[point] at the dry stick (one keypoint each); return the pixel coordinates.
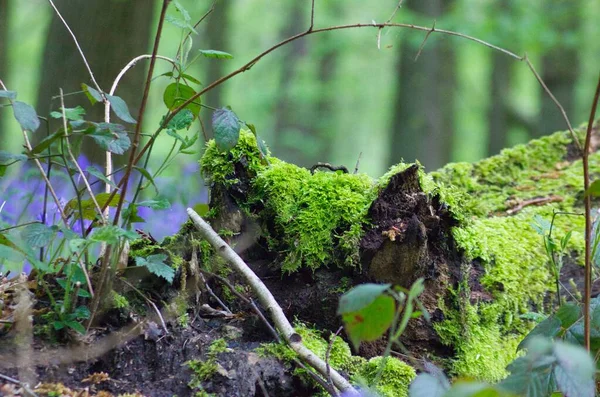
(588, 221)
(268, 302)
(328, 352)
(27, 390)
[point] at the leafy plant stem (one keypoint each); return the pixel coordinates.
(588, 221)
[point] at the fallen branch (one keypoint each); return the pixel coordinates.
(269, 303)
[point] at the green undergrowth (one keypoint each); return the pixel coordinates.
(486, 332)
(395, 378)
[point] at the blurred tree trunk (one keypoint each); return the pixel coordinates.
(3, 61)
(216, 32)
(110, 33)
(559, 65)
(292, 132)
(422, 125)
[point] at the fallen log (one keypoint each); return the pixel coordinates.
(467, 229)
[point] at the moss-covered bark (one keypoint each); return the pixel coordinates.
(465, 228)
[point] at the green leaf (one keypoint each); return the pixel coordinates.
(574, 371)
(360, 297)
(100, 175)
(181, 120)
(47, 141)
(568, 314)
(160, 204)
(548, 328)
(82, 312)
(131, 214)
(89, 208)
(475, 389)
(73, 114)
(146, 175)
(7, 158)
(216, 54)
(75, 326)
(594, 189)
(226, 128)
(92, 94)
(77, 244)
(190, 78)
(155, 265)
(8, 94)
(177, 93)
(120, 108)
(11, 254)
(426, 385)
(109, 234)
(26, 116)
(371, 322)
(111, 137)
(37, 235)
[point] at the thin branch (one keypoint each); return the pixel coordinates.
(21, 384)
(268, 302)
(424, 41)
(87, 65)
(328, 353)
(312, 16)
(74, 159)
(588, 220)
(140, 120)
(556, 102)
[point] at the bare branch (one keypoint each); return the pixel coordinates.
(87, 65)
(268, 302)
(312, 17)
(424, 41)
(556, 102)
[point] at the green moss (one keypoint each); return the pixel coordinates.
(204, 370)
(510, 251)
(315, 213)
(219, 167)
(395, 376)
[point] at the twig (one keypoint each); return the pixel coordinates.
(162, 320)
(140, 119)
(17, 382)
(74, 159)
(87, 65)
(268, 302)
(588, 220)
(328, 353)
(535, 201)
(357, 163)
(312, 16)
(424, 41)
(211, 293)
(329, 167)
(388, 21)
(556, 102)
(131, 64)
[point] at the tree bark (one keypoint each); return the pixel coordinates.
(110, 33)
(422, 125)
